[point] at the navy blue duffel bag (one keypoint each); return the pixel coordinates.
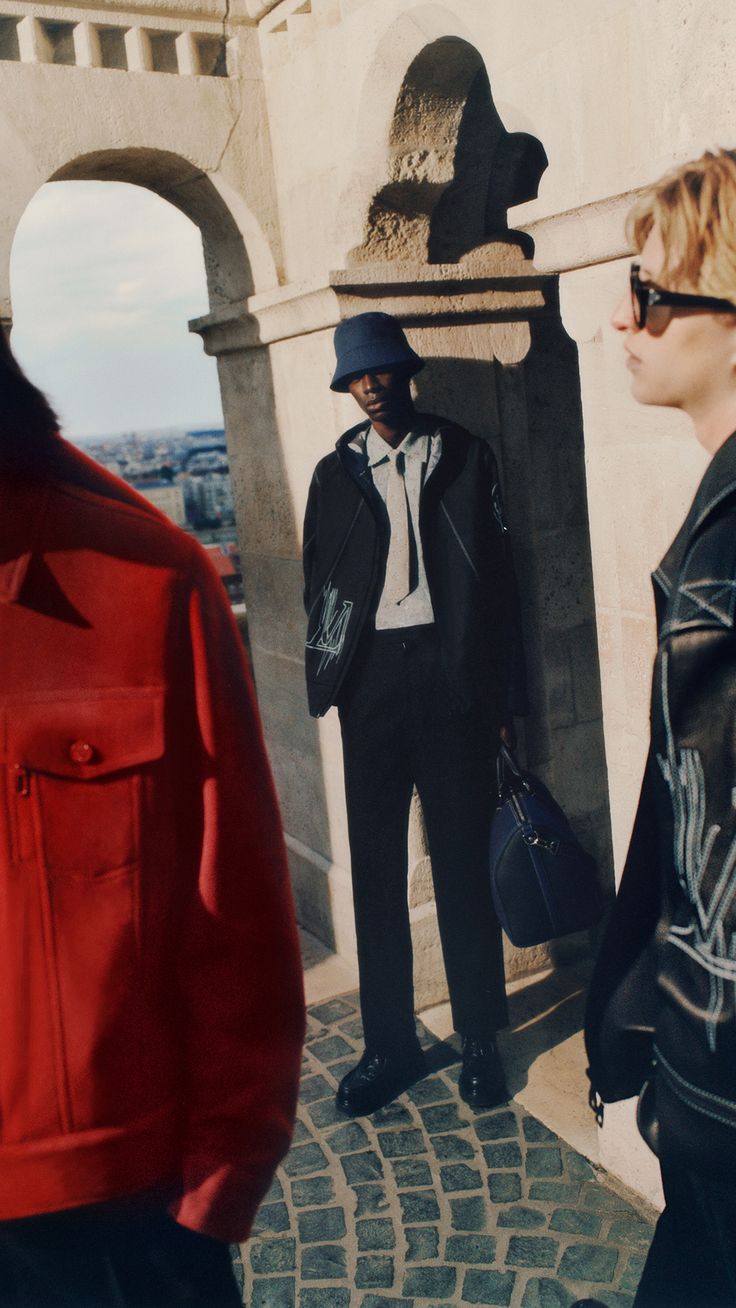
(543, 882)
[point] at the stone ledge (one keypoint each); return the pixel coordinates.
(591, 234)
(418, 294)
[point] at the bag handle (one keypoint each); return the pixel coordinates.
(509, 776)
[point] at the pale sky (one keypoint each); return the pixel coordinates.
(104, 277)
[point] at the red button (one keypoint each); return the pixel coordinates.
(81, 752)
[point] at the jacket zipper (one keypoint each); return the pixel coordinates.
(22, 784)
(459, 540)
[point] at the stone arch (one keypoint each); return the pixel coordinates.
(451, 169)
(237, 258)
(236, 254)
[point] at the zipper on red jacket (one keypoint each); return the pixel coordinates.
(22, 777)
(22, 781)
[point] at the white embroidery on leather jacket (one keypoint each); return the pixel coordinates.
(695, 599)
(329, 638)
(498, 507)
(706, 939)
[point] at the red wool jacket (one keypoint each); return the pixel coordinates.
(151, 1008)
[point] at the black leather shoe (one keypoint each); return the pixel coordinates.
(482, 1082)
(588, 1303)
(376, 1080)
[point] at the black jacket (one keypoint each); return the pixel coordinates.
(467, 561)
(664, 987)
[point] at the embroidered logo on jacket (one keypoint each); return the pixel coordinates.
(329, 638)
(709, 939)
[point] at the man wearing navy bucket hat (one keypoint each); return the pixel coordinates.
(413, 633)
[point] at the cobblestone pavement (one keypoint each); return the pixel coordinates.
(426, 1203)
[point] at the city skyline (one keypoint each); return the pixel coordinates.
(164, 432)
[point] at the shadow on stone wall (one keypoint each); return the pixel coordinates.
(452, 169)
(530, 413)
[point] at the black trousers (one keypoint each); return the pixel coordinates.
(127, 1253)
(692, 1259)
(399, 731)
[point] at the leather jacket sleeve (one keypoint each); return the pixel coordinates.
(309, 536)
(622, 999)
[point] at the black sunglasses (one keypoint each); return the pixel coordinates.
(651, 305)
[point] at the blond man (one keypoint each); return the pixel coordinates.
(662, 1010)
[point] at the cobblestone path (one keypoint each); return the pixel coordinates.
(426, 1203)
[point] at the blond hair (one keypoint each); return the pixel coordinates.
(694, 207)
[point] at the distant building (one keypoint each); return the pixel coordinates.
(167, 496)
(208, 435)
(208, 497)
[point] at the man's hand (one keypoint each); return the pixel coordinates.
(507, 734)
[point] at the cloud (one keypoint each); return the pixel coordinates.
(104, 277)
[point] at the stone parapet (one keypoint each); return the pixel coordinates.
(189, 40)
(215, 11)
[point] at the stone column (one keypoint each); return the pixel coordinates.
(186, 54)
(87, 51)
(32, 42)
(138, 50)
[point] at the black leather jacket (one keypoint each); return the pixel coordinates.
(664, 987)
(466, 556)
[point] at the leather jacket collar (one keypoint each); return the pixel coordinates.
(718, 483)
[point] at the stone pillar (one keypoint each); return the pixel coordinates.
(32, 43)
(87, 51)
(186, 54)
(138, 50)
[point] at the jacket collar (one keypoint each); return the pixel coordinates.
(719, 482)
(351, 446)
(24, 502)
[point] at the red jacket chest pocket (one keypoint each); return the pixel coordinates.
(76, 768)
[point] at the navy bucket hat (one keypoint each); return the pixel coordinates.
(369, 342)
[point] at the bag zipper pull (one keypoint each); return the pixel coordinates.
(22, 781)
(596, 1104)
(533, 838)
